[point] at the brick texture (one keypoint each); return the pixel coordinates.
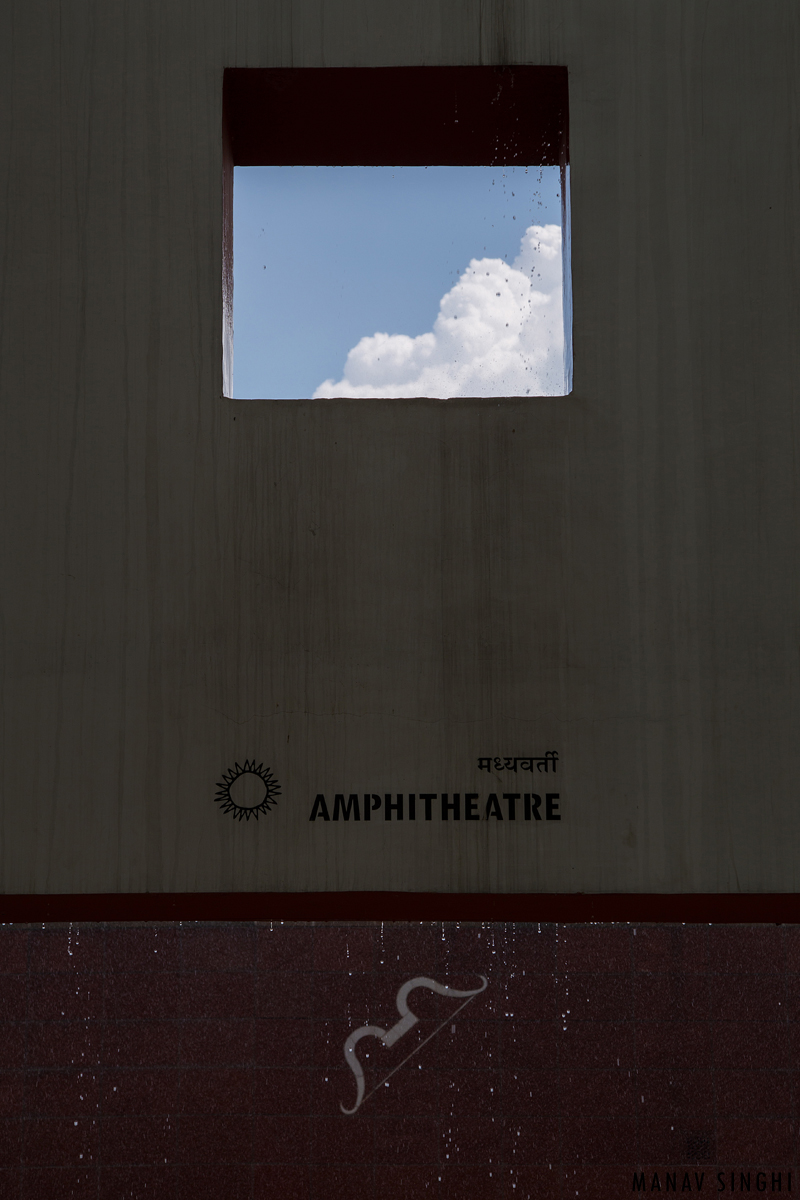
(206, 1060)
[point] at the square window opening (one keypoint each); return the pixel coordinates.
(397, 232)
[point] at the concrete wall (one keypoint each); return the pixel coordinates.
(369, 596)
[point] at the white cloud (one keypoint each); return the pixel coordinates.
(499, 332)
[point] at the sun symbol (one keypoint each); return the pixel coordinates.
(247, 791)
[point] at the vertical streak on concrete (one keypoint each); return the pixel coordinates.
(125, 636)
(156, 165)
(7, 98)
(80, 108)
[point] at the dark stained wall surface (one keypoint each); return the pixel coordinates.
(207, 1062)
(367, 597)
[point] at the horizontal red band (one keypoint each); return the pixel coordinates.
(397, 116)
(770, 908)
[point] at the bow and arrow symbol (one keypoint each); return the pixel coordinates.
(407, 1021)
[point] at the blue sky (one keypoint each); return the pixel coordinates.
(326, 256)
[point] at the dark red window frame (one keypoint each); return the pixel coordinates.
(386, 116)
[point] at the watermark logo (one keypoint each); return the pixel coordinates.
(407, 1021)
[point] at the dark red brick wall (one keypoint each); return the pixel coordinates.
(205, 1061)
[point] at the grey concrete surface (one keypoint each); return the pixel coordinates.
(368, 596)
